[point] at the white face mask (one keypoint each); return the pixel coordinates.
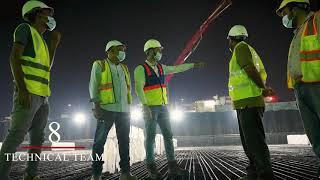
(121, 56)
(51, 23)
(158, 56)
(288, 23)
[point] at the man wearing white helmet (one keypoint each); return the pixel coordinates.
(151, 90)
(247, 79)
(31, 60)
(303, 70)
(110, 92)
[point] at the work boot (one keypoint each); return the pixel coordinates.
(153, 171)
(127, 176)
(95, 177)
(174, 170)
(28, 177)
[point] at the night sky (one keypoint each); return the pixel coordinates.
(87, 26)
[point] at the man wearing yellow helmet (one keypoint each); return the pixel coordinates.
(304, 63)
(31, 60)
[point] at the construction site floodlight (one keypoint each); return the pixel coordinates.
(79, 118)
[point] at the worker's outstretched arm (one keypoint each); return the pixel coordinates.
(244, 59)
(177, 68)
(139, 81)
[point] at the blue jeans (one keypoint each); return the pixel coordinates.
(32, 120)
(308, 98)
(160, 115)
(104, 124)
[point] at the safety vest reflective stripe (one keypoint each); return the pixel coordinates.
(106, 86)
(154, 87)
(311, 27)
(37, 78)
(239, 86)
(160, 68)
(147, 69)
(107, 95)
(34, 65)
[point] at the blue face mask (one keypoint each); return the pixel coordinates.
(121, 56)
(158, 56)
(288, 23)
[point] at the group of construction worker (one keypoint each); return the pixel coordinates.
(110, 91)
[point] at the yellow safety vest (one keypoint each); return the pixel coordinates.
(155, 88)
(240, 85)
(309, 53)
(37, 69)
(106, 88)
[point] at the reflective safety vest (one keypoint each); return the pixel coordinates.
(106, 88)
(155, 89)
(309, 53)
(37, 69)
(240, 85)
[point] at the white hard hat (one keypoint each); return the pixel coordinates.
(286, 2)
(151, 43)
(113, 43)
(238, 30)
(30, 6)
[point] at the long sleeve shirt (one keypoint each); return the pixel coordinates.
(140, 79)
(294, 64)
(119, 87)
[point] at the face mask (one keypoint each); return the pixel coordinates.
(51, 23)
(158, 56)
(121, 56)
(288, 23)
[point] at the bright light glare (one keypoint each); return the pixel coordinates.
(177, 115)
(136, 114)
(79, 118)
(209, 103)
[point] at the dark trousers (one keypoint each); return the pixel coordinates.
(104, 124)
(253, 141)
(308, 98)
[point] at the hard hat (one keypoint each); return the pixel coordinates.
(151, 43)
(286, 2)
(113, 43)
(238, 30)
(30, 6)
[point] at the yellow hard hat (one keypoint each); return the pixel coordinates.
(286, 2)
(30, 6)
(151, 43)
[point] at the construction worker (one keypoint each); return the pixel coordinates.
(304, 64)
(247, 89)
(152, 92)
(110, 91)
(31, 60)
